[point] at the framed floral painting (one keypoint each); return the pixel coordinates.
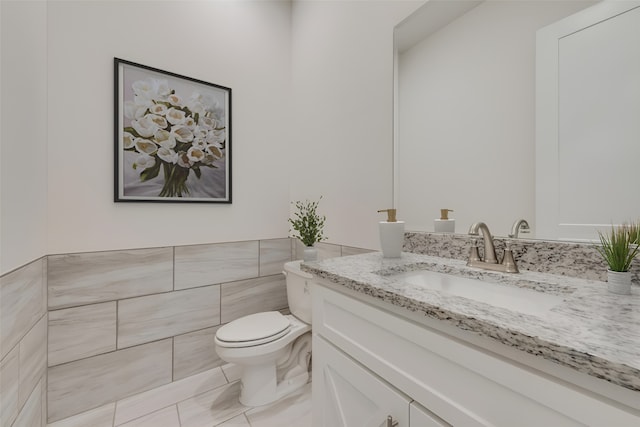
(172, 137)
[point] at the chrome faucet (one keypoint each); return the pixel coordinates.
(519, 225)
(490, 262)
(489, 249)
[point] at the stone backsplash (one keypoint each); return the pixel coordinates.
(573, 259)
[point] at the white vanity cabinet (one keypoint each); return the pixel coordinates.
(354, 396)
(370, 363)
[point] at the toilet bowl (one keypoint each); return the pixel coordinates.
(272, 349)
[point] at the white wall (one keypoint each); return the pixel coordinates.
(244, 45)
(335, 141)
(467, 116)
(343, 115)
(23, 141)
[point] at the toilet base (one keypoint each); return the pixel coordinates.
(274, 369)
(258, 388)
(264, 383)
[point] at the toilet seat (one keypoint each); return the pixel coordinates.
(254, 329)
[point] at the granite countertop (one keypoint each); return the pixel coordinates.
(591, 330)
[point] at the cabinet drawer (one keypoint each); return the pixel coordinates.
(461, 384)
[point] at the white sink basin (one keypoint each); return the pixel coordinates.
(509, 297)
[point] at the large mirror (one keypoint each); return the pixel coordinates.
(465, 117)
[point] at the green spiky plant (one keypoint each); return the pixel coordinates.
(308, 223)
(634, 232)
(619, 247)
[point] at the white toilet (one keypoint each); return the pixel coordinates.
(273, 350)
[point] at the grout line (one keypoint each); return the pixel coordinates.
(224, 374)
(178, 412)
(45, 403)
(173, 270)
(117, 323)
(259, 253)
(19, 409)
(176, 403)
(45, 316)
(112, 351)
(7, 273)
(143, 415)
(219, 305)
(169, 385)
(173, 358)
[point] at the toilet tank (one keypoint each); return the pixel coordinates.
(298, 291)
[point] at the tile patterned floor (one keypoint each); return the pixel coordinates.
(209, 399)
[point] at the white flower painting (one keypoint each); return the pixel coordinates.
(172, 137)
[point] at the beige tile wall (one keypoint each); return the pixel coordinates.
(9, 386)
(33, 359)
(22, 303)
(202, 265)
(88, 383)
(272, 252)
(111, 324)
(88, 278)
(239, 298)
(122, 322)
(326, 250)
(194, 352)
(23, 345)
(31, 413)
(79, 332)
(153, 317)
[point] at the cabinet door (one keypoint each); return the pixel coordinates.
(420, 417)
(346, 394)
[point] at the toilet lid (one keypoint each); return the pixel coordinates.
(255, 328)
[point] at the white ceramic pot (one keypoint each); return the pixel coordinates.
(619, 282)
(310, 254)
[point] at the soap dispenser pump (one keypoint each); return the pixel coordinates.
(444, 224)
(391, 235)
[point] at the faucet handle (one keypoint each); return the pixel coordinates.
(474, 255)
(508, 261)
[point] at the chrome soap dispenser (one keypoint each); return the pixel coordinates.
(391, 235)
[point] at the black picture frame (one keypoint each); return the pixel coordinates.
(172, 137)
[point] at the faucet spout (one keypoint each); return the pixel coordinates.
(489, 248)
(519, 225)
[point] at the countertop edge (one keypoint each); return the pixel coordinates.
(598, 367)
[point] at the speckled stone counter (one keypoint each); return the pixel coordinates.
(591, 330)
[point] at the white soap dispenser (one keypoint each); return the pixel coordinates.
(444, 224)
(391, 235)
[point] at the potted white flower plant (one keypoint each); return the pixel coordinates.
(618, 249)
(309, 226)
